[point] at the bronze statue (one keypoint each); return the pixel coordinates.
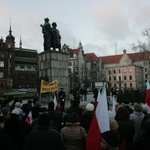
(47, 34)
(51, 36)
(56, 37)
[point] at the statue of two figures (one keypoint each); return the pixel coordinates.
(51, 36)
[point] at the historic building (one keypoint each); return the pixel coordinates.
(7, 63)
(127, 70)
(76, 66)
(18, 66)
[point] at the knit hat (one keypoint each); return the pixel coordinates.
(2, 119)
(111, 138)
(44, 119)
(15, 111)
(89, 107)
(18, 104)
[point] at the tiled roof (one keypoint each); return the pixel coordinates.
(140, 56)
(111, 59)
(74, 51)
(91, 57)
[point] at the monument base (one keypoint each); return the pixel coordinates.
(53, 65)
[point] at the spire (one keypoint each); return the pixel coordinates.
(10, 36)
(80, 45)
(20, 44)
(10, 30)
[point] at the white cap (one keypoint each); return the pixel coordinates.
(89, 107)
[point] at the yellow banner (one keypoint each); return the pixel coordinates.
(49, 87)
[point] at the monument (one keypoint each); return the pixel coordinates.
(53, 64)
(51, 36)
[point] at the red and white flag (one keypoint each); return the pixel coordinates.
(56, 105)
(99, 124)
(55, 102)
(114, 105)
(147, 98)
(29, 119)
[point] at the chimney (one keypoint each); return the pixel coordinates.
(124, 51)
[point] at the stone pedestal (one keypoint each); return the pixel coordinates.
(53, 65)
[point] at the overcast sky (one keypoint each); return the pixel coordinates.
(104, 27)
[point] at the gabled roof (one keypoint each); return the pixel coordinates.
(111, 59)
(140, 56)
(73, 51)
(91, 57)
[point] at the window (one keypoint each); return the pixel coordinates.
(1, 63)
(1, 55)
(119, 71)
(109, 72)
(1, 74)
(145, 69)
(109, 78)
(119, 78)
(125, 78)
(130, 77)
(114, 71)
(130, 84)
(114, 78)
(146, 76)
(125, 85)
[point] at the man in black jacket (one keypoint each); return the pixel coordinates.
(62, 97)
(44, 137)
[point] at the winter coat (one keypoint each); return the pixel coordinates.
(86, 119)
(5, 141)
(137, 117)
(73, 135)
(44, 138)
(126, 128)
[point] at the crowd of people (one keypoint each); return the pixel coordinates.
(30, 126)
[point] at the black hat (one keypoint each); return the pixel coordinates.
(111, 138)
(44, 119)
(2, 119)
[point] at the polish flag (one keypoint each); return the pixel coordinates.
(114, 105)
(99, 124)
(56, 105)
(55, 102)
(147, 98)
(29, 119)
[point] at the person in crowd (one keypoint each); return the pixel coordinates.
(110, 141)
(5, 140)
(144, 141)
(127, 105)
(55, 116)
(73, 134)
(13, 127)
(87, 116)
(44, 137)
(6, 111)
(18, 106)
(137, 116)
(27, 107)
(126, 128)
(35, 99)
(62, 98)
(95, 94)
(75, 108)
